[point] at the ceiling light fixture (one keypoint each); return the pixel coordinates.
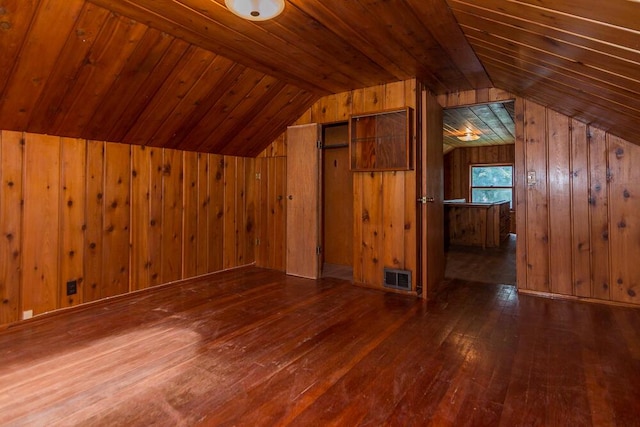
(255, 10)
(468, 136)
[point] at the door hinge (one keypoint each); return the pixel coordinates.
(318, 250)
(258, 175)
(319, 144)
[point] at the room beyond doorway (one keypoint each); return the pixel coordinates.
(479, 172)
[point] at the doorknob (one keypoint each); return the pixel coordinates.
(290, 197)
(425, 199)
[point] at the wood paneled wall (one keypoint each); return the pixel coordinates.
(384, 202)
(271, 170)
(578, 227)
(271, 217)
(579, 231)
(114, 217)
(457, 162)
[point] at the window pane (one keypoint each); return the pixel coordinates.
(491, 176)
(491, 195)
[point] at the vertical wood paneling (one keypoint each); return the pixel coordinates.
(249, 212)
(72, 220)
(229, 225)
(469, 97)
(325, 110)
(262, 198)
(140, 217)
(278, 248)
(110, 216)
(156, 219)
(598, 208)
(240, 226)
(372, 228)
(358, 218)
(580, 238)
(373, 98)
(537, 210)
(93, 261)
(305, 118)
(11, 161)
(279, 146)
(172, 191)
(394, 95)
(357, 102)
(625, 221)
(345, 106)
(559, 204)
(190, 214)
(216, 211)
(40, 261)
(115, 252)
(202, 233)
(599, 213)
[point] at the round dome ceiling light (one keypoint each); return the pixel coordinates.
(256, 10)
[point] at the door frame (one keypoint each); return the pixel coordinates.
(429, 191)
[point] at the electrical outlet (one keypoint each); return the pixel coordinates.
(72, 287)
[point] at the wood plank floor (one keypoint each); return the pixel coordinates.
(253, 347)
(489, 265)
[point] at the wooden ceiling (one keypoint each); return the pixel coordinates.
(189, 74)
(494, 124)
(579, 57)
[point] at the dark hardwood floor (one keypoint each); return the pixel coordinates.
(489, 265)
(254, 347)
(338, 271)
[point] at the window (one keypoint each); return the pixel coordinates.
(492, 183)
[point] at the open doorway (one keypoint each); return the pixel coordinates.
(337, 202)
(480, 216)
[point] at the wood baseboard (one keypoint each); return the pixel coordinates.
(91, 305)
(575, 298)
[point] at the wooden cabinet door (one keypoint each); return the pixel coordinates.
(430, 176)
(303, 201)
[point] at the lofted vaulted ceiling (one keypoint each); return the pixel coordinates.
(189, 74)
(579, 57)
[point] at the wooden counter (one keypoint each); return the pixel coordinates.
(476, 224)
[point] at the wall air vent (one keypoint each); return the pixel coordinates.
(397, 279)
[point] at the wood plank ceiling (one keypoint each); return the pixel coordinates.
(493, 123)
(579, 57)
(189, 74)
